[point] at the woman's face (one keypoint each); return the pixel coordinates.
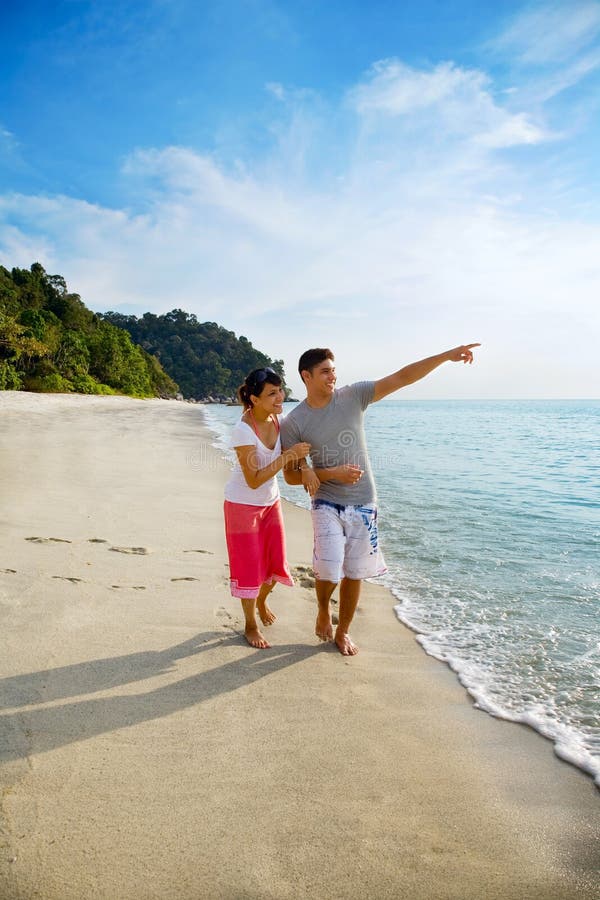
(270, 399)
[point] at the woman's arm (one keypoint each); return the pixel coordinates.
(255, 477)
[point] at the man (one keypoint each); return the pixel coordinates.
(344, 507)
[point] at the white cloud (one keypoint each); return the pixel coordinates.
(398, 89)
(425, 237)
(8, 142)
(560, 79)
(551, 33)
(276, 89)
(18, 248)
(458, 101)
(550, 49)
(510, 131)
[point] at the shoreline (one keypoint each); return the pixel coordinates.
(564, 743)
(482, 704)
(188, 765)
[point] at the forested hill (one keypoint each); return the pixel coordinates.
(50, 341)
(203, 358)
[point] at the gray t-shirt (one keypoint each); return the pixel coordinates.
(336, 435)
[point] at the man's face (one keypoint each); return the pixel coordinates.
(322, 378)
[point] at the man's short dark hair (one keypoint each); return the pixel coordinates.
(312, 358)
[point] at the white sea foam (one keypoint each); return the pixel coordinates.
(220, 423)
(569, 744)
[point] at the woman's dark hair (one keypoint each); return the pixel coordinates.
(254, 384)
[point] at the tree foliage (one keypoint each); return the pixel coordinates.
(204, 358)
(50, 341)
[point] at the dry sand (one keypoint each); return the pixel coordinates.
(147, 752)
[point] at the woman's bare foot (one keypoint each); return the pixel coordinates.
(267, 616)
(323, 627)
(256, 639)
(345, 644)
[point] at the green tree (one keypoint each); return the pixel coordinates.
(34, 323)
(16, 346)
(49, 341)
(117, 362)
(202, 357)
(73, 355)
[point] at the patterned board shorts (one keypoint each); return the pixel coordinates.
(346, 542)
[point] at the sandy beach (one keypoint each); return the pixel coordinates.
(146, 752)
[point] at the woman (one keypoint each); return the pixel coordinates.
(253, 520)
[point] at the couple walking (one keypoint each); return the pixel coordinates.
(328, 428)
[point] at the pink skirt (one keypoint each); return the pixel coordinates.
(256, 547)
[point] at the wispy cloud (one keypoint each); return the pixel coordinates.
(459, 102)
(8, 141)
(551, 48)
(423, 232)
(561, 79)
(397, 89)
(549, 54)
(550, 33)
(276, 89)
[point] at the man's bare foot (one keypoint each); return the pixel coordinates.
(323, 628)
(345, 644)
(256, 639)
(267, 616)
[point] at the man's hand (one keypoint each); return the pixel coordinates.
(346, 473)
(463, 353)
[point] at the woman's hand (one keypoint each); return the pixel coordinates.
(310, 481)
(296, 452)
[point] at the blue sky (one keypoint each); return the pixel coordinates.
(388, 179)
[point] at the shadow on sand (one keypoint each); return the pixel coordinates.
(39, 730)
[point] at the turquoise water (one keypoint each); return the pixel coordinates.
(490, 525)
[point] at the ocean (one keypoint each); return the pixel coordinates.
(490, 526)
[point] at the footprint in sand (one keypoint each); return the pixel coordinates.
(8, 571)
(97, 541)
(185, 578)
(304, 576)
(131, 587)
(306, 582)
(209, 552)
(42, 540)
(68, 578)
(222, 613)
(137, 551)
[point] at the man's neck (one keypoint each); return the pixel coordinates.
(318, 401)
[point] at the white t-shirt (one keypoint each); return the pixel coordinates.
(236, 489)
